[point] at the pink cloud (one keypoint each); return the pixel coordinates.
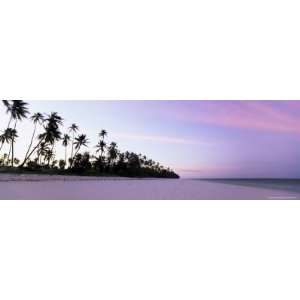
(246, 114)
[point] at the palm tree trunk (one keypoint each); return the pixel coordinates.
(12, 153)
(75, 156)
(66, 155)
(9, 154)
(102, 164)
(12, 147)
(72, 145)
(76, 151)
(25, 160)
(9, 122)
(31, 141)
(52, 158)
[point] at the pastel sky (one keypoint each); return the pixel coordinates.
(195, 138)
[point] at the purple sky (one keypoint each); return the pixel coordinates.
(196, 138)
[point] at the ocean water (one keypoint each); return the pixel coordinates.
(290, 185)
(56, 187)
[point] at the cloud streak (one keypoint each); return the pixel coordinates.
(206, 171)
(161, 139)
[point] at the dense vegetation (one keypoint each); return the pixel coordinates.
(40, 156)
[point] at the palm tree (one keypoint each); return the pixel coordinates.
(112, 152)
(54, 120)
(65, 143)
(80, 141)
(100, 147)
(73, 128)
(52, 132)
(7, 105)
(6, 137)
(48, 156)
(18, 111)
(36, 118)
(2, 141)
(42, 151)
(9, 137)
(103, 134)
(13, 137)
(51, 135)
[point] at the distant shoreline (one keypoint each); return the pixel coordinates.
(50, 174)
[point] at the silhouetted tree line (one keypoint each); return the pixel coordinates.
(40, 154)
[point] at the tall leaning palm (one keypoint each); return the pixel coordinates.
(52, 132)
(37, 119)
(65, 143)
(50, 135)
(73, 129)
(80, 141)
(18, 110)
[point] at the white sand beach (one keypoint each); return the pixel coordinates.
(114, 188)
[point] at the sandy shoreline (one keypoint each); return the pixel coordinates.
(46, 177)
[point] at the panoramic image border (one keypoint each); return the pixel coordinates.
(202, 150)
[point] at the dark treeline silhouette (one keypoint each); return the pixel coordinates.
(40, 154)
